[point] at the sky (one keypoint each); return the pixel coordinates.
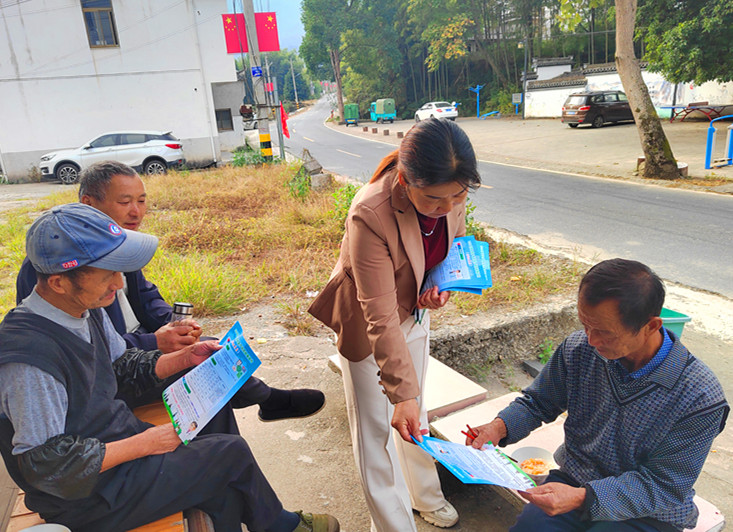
(290, 28)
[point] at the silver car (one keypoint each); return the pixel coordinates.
(151, 152)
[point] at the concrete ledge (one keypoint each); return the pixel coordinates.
(446, 390)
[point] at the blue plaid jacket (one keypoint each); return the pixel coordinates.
(637, 445)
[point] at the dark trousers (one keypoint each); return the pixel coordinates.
(252, 392)
(215, 473)
(533, 519)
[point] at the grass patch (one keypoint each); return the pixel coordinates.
(235, 236)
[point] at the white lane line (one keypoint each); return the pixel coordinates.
(348, 153)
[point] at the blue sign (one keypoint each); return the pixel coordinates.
(256, 72)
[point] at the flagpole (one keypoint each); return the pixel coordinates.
(258, 82)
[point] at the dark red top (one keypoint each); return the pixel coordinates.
(435, 243)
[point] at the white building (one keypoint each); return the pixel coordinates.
(72, 69)
(545, 97)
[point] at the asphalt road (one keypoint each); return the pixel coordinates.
(686, 236)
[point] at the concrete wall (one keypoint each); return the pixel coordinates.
(549, 72)
(58, 92)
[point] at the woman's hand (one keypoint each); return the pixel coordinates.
(406, 419)
(432, 299)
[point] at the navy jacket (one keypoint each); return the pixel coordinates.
(149, 307)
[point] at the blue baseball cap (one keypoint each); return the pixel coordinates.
(74, 235)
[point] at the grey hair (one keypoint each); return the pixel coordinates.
(95, 180)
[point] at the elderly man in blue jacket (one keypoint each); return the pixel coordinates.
(141, 315)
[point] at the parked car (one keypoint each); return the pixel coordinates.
(437, 110)
(152, 152)
(596, 108)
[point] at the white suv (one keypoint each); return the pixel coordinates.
(153, 152)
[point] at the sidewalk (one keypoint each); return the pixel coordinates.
(548, 144)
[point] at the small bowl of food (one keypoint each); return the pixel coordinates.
(535, 461)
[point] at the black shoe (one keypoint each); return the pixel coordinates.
(300, 403)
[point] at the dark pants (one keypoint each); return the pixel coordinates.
(252, 392)
(215, 473)
(533, 519)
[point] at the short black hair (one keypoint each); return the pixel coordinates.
(94, 181)
(638, 291)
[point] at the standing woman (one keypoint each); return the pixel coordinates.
(399, 226)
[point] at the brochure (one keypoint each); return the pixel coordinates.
(196, 397)
(466, 268)
(477, 466)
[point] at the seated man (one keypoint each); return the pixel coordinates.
(642, 413)
(82, 457)
(140, 314)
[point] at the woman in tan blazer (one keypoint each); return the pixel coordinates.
(399, 226)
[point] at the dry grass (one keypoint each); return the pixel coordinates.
(231, 237)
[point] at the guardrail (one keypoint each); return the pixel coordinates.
(710, 146)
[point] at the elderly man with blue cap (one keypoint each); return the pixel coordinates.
(82, 457)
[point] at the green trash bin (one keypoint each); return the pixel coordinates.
(674, 321)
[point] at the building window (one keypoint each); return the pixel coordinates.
(224, 120)
(100, 22)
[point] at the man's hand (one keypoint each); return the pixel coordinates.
(406, 419)
(200, 351)
(192, 355)
(177, 335)
(432, 299)
(492, 432)
(155, 440)
(555, 498)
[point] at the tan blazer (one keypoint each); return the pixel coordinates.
(375, 284)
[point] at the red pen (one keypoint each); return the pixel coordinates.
(472, 433)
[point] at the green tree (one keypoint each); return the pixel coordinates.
(324, 21)
(659, 159)
(688, 40)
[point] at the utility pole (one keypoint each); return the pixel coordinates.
(295, 89)
(279, 115)
(258, 82)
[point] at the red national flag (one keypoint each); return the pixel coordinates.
(235, 32)
(284, 120)
(266, 24)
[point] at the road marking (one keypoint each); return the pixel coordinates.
(348, 153)
(486, 186)
(306, 138)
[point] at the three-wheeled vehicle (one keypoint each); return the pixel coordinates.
(351, 114)
(383, 109)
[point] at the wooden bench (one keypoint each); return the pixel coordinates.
(194, 521)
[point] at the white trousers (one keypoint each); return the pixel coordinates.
(396, 476)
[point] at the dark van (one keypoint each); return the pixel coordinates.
(596, 108)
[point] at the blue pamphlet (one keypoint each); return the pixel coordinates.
(466, 268)
(476, 466)
(196, 397)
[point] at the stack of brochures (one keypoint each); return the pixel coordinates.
(194, 399)
(465, 269)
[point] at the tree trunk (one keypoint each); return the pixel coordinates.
(336, 65)
(660, 162)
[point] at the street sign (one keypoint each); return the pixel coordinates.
(256, 72)
(517, 97)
